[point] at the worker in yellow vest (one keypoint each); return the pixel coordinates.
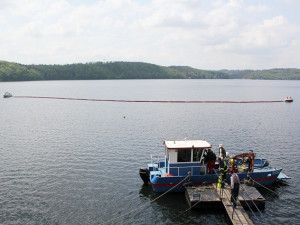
(223, 170)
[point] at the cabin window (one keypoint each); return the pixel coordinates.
(197, 154)
(184, 155)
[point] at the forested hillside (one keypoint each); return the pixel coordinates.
(17, 72)
(272, 74)
(131, 70)
(99, 70)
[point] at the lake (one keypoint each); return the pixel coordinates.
(77, 162)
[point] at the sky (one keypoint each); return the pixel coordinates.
(204, 34)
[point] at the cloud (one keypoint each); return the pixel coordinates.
(169, 32)
(291, 1)
(272, 34)
(183, 14)
(4, 4)
(258, 8)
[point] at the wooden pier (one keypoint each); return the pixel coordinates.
(208, 197)
(237, 215)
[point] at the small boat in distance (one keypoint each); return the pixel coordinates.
(184, 158)
(288, 99)
(7, 95)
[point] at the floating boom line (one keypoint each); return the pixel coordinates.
(143, 101)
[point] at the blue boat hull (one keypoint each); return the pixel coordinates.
(264, 177)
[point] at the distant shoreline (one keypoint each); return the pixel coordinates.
(132, 70)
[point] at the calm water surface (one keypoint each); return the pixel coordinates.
(76, 162)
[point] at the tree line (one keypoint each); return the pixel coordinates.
(130, 70)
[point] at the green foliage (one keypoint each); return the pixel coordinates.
(130, 70)
(201, 74)
(99, 70)
(272, 74)
(17, 72)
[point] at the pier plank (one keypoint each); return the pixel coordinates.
(239, 215)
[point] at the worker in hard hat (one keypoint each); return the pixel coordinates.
(222, 152)
(223, 170)
(233, 165)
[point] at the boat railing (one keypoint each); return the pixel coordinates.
(157, 158)
(183, 170)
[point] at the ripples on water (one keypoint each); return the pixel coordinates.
(76, 162)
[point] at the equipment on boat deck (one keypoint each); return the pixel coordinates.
(247, 158)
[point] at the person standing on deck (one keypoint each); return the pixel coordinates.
(210, 160)
(234, 187)
(222, 152)
(223, 170)
(251, 161)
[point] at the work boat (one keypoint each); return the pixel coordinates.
(288, 99)
(7, 95)
(184, 163)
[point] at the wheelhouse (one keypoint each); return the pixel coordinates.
(185, 156)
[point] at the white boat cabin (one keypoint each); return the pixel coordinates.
(182, 156)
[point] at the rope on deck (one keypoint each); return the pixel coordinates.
(143, 101)
(266, 187)
(276, 194)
